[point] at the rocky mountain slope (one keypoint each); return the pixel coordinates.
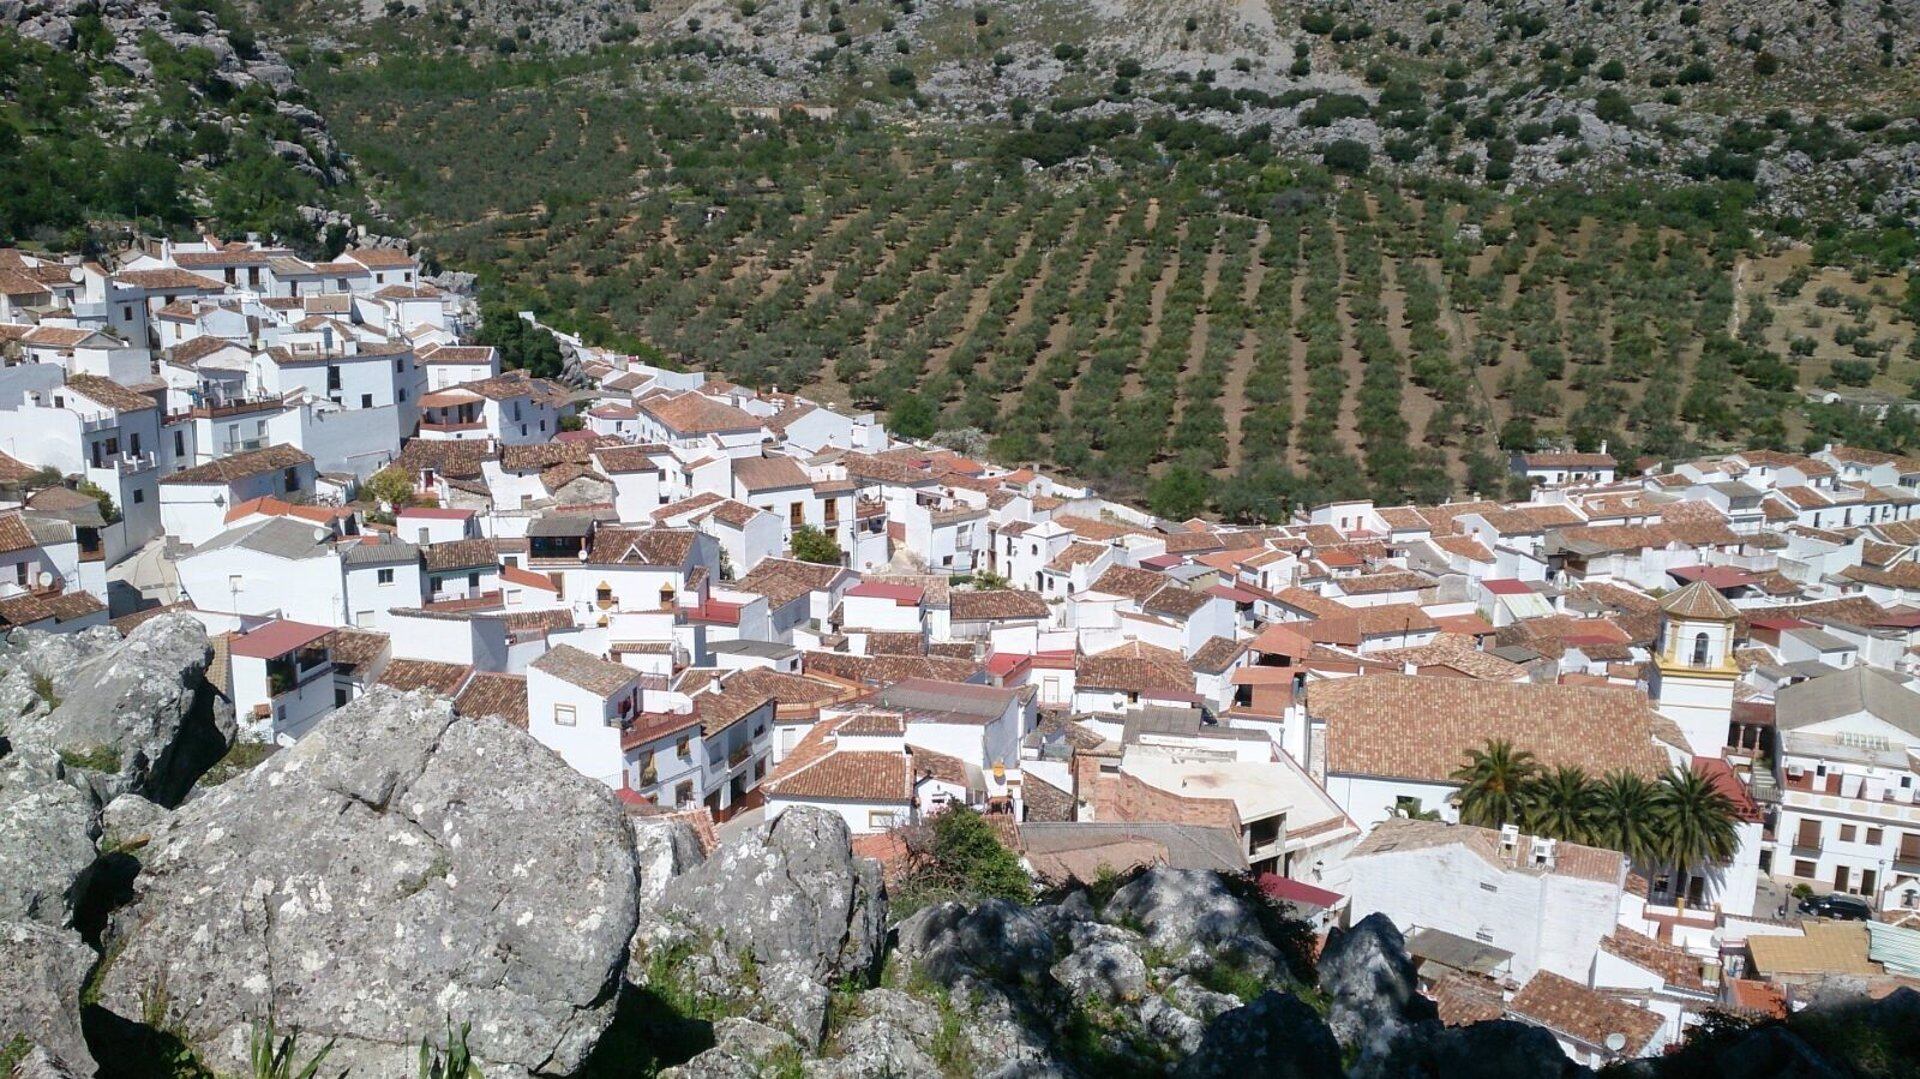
(159, 114)
(401, 868)
(1520, 92)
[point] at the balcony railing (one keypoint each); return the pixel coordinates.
(241, 445)
(739, 756)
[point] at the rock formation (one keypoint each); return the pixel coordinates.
(137, 715)
(396, 868)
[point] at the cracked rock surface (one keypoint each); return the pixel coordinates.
(398, 867)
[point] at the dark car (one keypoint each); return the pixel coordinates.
(1846, 908)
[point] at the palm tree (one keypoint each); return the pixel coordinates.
(1560, 804)
(1493, 783)
(1626, 817)
(1696, 821)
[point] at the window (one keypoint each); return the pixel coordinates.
(1876, 836)
(179, 443)
(291, 477)
(139, 496)
(473, 579)
(683, 793)
(563, 715)
(880, 820)
(684, 748)
(384, 576)
(1846, 833)
(1700, 649)
(366, 400)
(1804, 869)
(20, 573)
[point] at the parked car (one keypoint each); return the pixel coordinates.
(1846, 908)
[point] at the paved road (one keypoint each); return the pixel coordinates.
(149, 572)
(746, 821)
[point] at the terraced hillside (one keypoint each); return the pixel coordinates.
(1191, 311)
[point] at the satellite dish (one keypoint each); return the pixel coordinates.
(1616, 1042)
(46, 579)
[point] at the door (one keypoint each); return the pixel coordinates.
(1840, 878)
(1868, 880)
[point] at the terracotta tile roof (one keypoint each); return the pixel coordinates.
(1639, 537)
(1567, 1007)
(1312, 603)
(242, 465)
(687, 509)
(1135, 584)
(1464, 547)
(459, 554)
(1410, 727)
(896, 644)
(14, 533)
(1376, 583)
(641, 546)
(1702, 600)
(769, 473)
(380, 258)
(1097, 530)
(626, 459)
(578, 667)
(1217, 654)
(1136, 667)
(353, 649)
(409, 674)
(454, 459)
(854, 776)
(495, 693)
(1568, 460)
(885, 670)
(1671, 963)
(1464, 999)
(783, 580)
(1458, 652)
(168, 278)
(537, 456)
(110, 393)
(1074, 554)
(998, 603)
(695, 413)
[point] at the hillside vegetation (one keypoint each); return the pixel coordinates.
(1190, 305)
(152, 117)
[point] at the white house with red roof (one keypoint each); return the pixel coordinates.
(451, 365)
(282, 678)
(435, 524)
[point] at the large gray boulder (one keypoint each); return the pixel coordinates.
(37, 669)
(1500, 1049)
(396, 868)
(740, 1047)
(770, 923)
(663, 848)
(1191, 915)
(139, 715)
(1276, 1036)
(995, 941)
(46, 840)
(40, 979)
(1370, 984)
(790, 892)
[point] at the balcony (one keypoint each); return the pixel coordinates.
(1803, 851)
(242, 445)
(739, 755)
